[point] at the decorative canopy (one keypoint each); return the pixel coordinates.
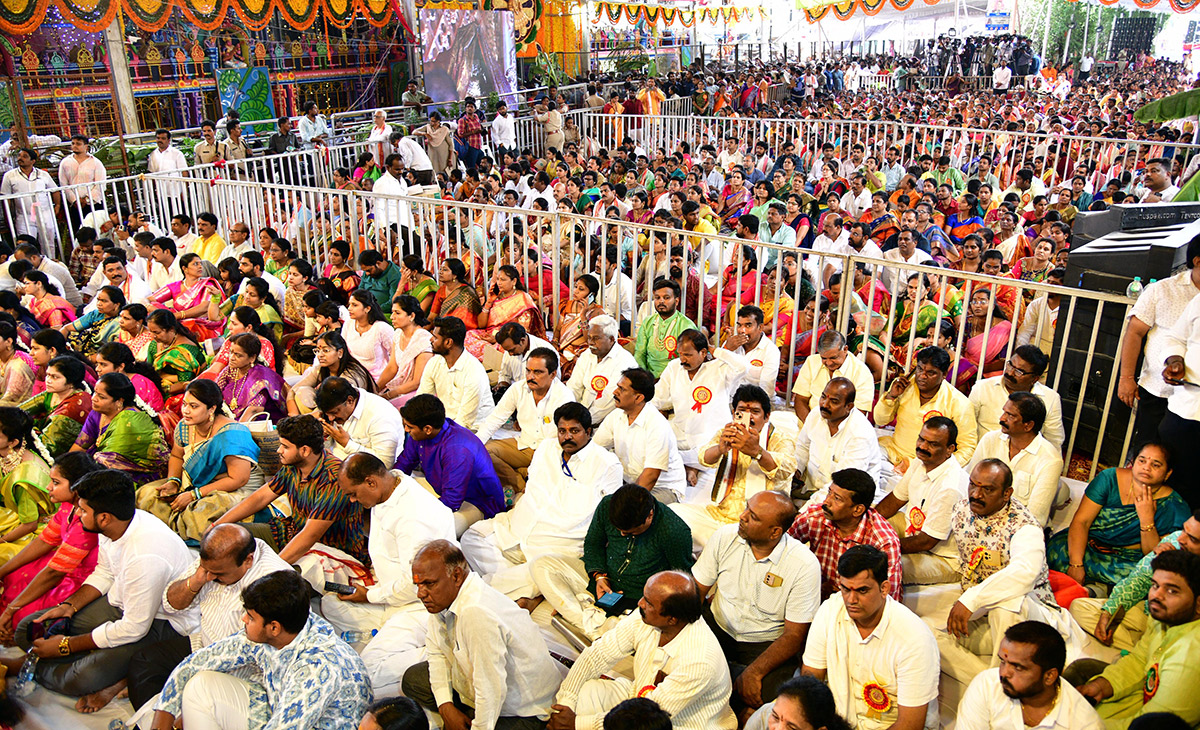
(652, 14)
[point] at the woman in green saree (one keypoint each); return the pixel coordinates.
(174, 353)
(1123, 515)
(256, 294)
(98, 326)
(24, 482)
(119, 434)
(59, 411)
(918, 305)
(213, 466)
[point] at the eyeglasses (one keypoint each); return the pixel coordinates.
(1009, 366)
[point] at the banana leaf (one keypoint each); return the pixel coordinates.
(1176, 106)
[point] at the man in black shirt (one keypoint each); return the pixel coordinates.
(284, 141)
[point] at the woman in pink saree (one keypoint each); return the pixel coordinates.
(412, 348)
(507, 302)
(748, 278)
(990, 343)
(55, 563)
(194, 300)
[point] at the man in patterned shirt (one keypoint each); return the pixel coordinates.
(324, 524)
(843, 520)
(309, 677)
(470, 135)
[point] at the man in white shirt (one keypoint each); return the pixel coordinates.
(252, 264)
(837, 436)
(1027, 689)
(1156, 186)
(164, 269)
(643, 439)
(616, 292)
(749, 342)
(677, 663)
(230, 559)
(533, 401)
(921, 504)
(1180, 427)
(181, 233)
(766, 588)
(487, 659)
(458, 380)
(857, 200)
(56, 271)
(568, 475)
(36, 200)
(518, 344)
(1022, 374)
(833, 240)
(1035, 463)
(878, 658)
(1154, 313)
(390, 212)
(414, 159)
(831, 360)
(504, 132)
(404, 518)
(819, 162)
(1004, 577)
(906, 252)
(1001, 78)
(81, 168)
(169, 161)
(599, 367)
(112, 272)
(356, 421)
(118, 609)
(730, 156)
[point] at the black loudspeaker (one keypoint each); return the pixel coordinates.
(1095, 383)
(1136, 35)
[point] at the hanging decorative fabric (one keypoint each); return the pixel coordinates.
(634, 13)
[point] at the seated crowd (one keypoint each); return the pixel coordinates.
(467, 471)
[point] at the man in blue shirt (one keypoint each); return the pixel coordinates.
(453, 460)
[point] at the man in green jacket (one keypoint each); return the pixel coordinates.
(657, 337)
(380, 277)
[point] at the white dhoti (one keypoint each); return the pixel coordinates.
(701, 521)
(399, 645)
(598, 696)
(216, 701)
(1129, 632)
(563, 581)
(503, 567)
(358, 617)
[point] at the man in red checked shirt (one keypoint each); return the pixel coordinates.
(470, 135)
(844, 520)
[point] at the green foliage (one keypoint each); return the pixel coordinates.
(493, 102)
(1097, 19)
(547, 71)
(629, 57)
(1176, 106)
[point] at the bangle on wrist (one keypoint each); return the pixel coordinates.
(64, 646)
(196, 492)
(1148, 528)
(1074, 565)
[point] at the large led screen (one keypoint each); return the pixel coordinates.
(468, 53)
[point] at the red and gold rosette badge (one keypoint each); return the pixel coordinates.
(670, 344)
(599, 383)
(930, 415)
(646, 690)
(1150, 687)
(757, 363)
(701, 397)
(916, 520)
(877, 700)
(975, 559)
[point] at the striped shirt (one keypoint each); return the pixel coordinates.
(319, 498)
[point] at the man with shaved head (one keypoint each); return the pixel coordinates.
(692, 684)
(230, 559)
(766, 586)
(488, 664)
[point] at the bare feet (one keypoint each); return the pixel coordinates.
(529, 604)
(693, 475)
(97, 700)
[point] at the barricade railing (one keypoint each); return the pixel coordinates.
(1061, 155)
(553, 249)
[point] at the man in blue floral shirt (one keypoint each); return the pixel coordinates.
(306, 676)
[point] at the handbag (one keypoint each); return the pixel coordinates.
(267, 438)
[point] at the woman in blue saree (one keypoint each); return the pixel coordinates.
(1122, 517)
(213, 466)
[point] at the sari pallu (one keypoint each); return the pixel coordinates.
(204, 463)
(736, 203)
(221, 360)
(959, 229)
(25, 497)
(517, 307)
(75, 558)
(968, 365)
(882, 227)
(406, 358)
(571, 338)
(16, 379)
(93, 330)
(337, 286)
(462, 302)
(52, 311)
(926, 315)
(260, 386)
(178, 299)
(132, 442)
(178, 363)
(58, 425)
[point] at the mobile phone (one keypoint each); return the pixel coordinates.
(610, 599)
(742, 417)
(339, 588)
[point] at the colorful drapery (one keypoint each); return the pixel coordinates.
(20, 17)
(613, 12)
(816, 10)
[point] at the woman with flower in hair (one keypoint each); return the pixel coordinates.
(117, 357)
(213, 464)
(59, 411)
(120, 434)
(248, 386)
(99, 325)
(24, 482)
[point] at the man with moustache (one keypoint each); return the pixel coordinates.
(568, 476)
(599, 368)
(1159, 675)
(698, 300)
(1034, 461)
(1022, 373)
(1003, 574)
(1026, 689)
(658, 337)
(836, 436)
